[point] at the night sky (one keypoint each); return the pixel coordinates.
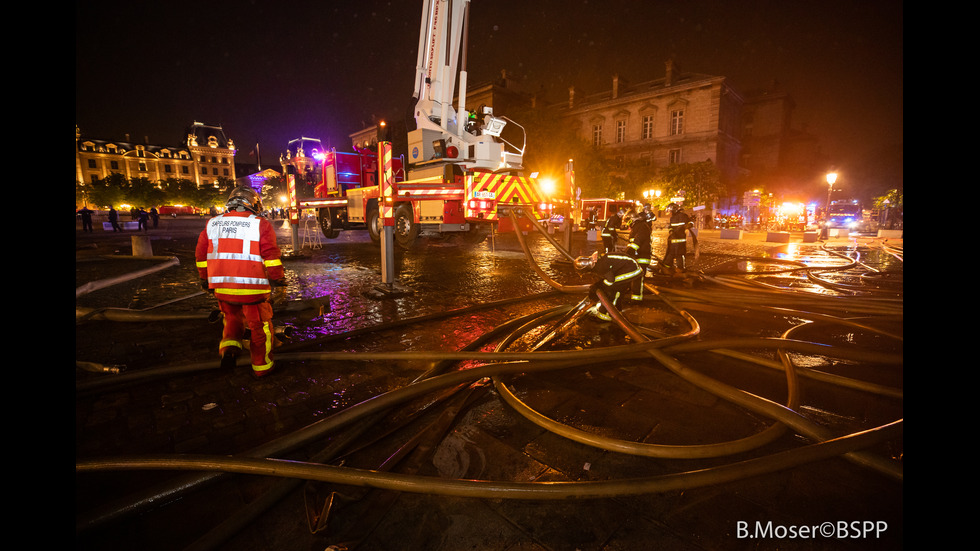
(269, 72)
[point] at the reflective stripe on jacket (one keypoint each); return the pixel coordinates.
(679, 223)
(617, 268)
(238, 255)
(611, 226)
(639, 246)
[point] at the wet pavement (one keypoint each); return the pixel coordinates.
(544, 487)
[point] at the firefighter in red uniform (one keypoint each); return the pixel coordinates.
(239, 261)
(618, 273)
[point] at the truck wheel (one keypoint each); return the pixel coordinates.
(406, 229)
(327, 224)
(374, 225)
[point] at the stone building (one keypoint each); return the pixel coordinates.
(692, 117)
(681, 118)
(774, 153)
(205, 156)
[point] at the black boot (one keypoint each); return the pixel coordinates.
(229, 359)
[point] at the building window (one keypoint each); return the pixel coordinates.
(204, 171)
(91, 163)
(620, 131)
(647, 131)
(114, 165)
(226, 172)
(596, 135)
(214, 171)
(185, 170)
(167, 168)
(674, 156)
(676, 122)
(142, 166)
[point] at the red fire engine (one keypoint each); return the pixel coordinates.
(462, 174)
(604, 208)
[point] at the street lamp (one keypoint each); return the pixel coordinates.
(825, 231)
(831, 178)
(651, 194)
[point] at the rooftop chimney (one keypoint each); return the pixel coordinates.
(673, 71)
(620, 84)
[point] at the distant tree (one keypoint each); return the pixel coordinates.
(551, 142)
(180, 191)
(144, 193)
(892, 205)
(273, 188)
(214, 194)
(700, 182)
(113, 190)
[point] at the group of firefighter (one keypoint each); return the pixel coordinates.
(622, 274)
(239, 261)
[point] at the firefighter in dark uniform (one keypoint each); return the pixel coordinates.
(609, 230)
(593, 219)
(639, 249)
(648, 213)
(617, 272)
(678, 228)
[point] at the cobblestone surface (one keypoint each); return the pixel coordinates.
(206, 411)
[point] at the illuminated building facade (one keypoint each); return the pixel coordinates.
(690, 118)
(301, 157)
(681, 118)
(206, 156)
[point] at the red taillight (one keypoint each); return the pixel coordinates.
(479, 204)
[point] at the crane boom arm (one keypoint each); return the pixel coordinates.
(438, 61)
(444, 133)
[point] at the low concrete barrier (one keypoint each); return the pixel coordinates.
(890, 234)
(778, 236)
(810, 236)
(729, 233)
(107, 226)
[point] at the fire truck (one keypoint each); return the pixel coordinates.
(845, 214)
(463, 173)
(604, 208)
